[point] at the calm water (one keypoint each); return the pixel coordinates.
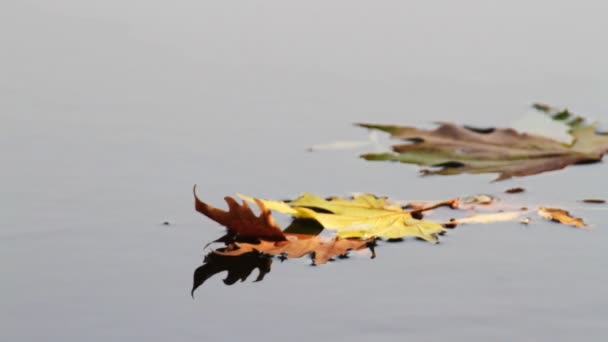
(110, 112)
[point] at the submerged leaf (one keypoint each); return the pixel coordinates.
(561, 216)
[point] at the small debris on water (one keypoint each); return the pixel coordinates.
(451, 225)
(515, 190)
(479, 199)
(594, 201)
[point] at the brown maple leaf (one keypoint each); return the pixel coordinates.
(240, 220)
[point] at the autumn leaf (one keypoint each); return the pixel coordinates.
(561, 216)
(454, 149)
(240, 220)
(364, 216)
(297, 246)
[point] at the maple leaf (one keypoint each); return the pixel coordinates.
(363, 216)
(454, 149)
(240, 220)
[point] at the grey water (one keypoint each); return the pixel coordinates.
(110, 112)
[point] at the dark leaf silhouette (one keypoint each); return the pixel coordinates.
(239, 267)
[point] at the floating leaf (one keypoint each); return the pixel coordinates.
(561, 216)
(452, 149)
(241, 221)
(363, 216)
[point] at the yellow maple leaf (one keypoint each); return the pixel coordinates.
(363, 216)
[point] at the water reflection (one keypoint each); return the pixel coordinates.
(239, 267)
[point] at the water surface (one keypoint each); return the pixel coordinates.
(111, 111)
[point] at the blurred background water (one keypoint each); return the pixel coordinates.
(110, 112)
